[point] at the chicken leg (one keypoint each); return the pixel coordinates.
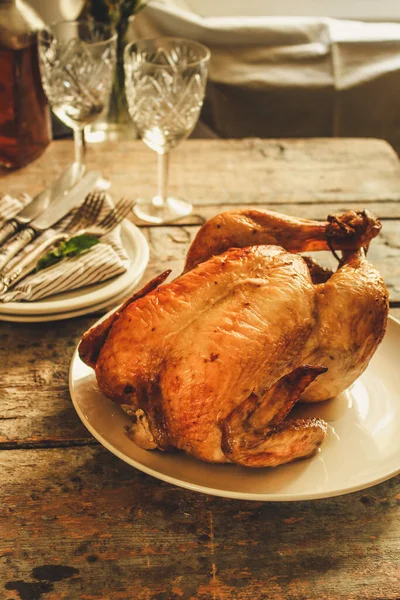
(238, 229)
(352, 308)
(256, 433)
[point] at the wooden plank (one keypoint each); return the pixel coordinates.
(237, 172)
(35, 405)
(320, 211)
(79, 523)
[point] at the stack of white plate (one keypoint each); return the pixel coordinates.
(94, 298)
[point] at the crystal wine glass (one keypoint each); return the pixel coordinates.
(77, 61)
(165, 82)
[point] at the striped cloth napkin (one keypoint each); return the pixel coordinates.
(10, 206)
(103, 261)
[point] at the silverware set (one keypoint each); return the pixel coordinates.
(73, 220)
(36, 223)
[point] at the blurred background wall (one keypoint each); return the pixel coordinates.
(333, 69)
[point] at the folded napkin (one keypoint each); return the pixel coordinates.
(10, 206)
(103, 261)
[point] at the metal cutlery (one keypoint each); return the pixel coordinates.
(89, 226)
(113, 218)
(56, 211)
(84, 222)
(85, 215)
(56, 190)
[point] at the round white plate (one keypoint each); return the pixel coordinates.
(362, 447)
(105, 306)
(137, 249)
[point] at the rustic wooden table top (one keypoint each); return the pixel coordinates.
(77, 522)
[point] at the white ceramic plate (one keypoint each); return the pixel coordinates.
(362, 447)
(105, 306)
(137, 249)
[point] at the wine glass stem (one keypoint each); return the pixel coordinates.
(80, 146)
(163, 162)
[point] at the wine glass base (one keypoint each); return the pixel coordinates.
(172, 210)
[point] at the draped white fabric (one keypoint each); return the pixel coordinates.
(291, 76)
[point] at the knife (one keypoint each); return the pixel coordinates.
(49, 217)
(41, 201)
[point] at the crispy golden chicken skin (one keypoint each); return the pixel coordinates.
(213, 362)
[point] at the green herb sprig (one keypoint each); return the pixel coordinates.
(67, 249)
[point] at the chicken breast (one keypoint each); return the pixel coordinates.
(212, 362)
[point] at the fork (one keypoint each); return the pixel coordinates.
(109, 222)
(113, 218)
(87, 213)
(83, 217)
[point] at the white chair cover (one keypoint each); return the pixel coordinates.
(291, 76)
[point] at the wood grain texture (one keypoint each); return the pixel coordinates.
(239, 172)
(314, 210)
(79, 523)
(35, 405)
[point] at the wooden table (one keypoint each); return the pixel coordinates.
(76, 522)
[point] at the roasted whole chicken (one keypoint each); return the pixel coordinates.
(213, 362)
